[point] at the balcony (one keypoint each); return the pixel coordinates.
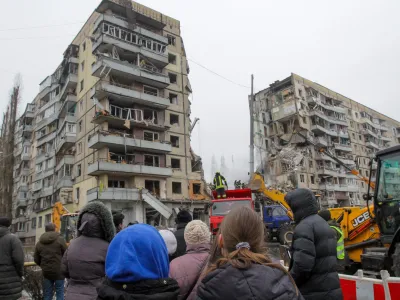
(352, 188)
(346, 160)
(318, 129)
(64, 182)
(69, 84)
(385, 138)
(321, 141)
(103, 40)
(43, 174)
(330, 119)
(68, 104)
(316, 100)
(103, 166)
(148, 17)
(120, 143)
(37, 186)
(122, 22)
(47, 191)
(22, 202)
(65, 142)
(46, 121)
(372, 145)
(66, 160)
(119, 123)
(149, 75)
(27, 130)
(327, 171)
(47, 138)
(369, 132)
(342, 147)
(26, 156)
(128, 95)
(113, 194)
(42, 156)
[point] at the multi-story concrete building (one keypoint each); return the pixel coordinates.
(112, 123)
(347, 129)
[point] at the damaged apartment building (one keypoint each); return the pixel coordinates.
(347, 129)
(112, 124)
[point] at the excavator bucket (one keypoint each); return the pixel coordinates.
(256, 182)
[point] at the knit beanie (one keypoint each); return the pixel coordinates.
(5, 222)
(184, 217)
(325, 214)
(197, 232)
(170, 240)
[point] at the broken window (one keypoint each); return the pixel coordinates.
(82, 85)
(176, 188)
(171, 59)
(152, 186)
(175, 163)
(171, 40)
(172, 78)
(84, 46)
(359, 137)
(151, 160)
(173, 98)
(150, 90)
(173, 119)
(150, 115)
(151, 136)
(301, 178)
(80, 147)
(196, 188)
(312, 179)
(80, 126)
(116, 184)
(78, 193)
(79, 170)
(174, 141)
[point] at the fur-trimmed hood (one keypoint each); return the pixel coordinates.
(103, 216)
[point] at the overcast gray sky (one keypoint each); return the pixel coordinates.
(352, 47)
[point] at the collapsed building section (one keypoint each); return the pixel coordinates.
(339, 125)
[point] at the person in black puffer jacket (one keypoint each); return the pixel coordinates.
(183, 218)
(243, 270)
(313, 265)
(11, 262)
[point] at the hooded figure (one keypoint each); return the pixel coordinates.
(137, 267)
(11, 263)
(187, 268)
(183, 218)
(84, 261)
(313, 264)
(170, 241)
(49, 252)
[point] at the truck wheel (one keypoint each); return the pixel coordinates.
(285, 234)
(396, 261)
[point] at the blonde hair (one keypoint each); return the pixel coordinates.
(242, 225)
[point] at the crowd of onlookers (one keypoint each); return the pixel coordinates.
(140, 261)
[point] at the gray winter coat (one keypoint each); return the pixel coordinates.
(187, 268)
(84, 261)
(11, 265)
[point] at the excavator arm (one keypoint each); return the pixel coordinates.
(257, 185)
(58, 211)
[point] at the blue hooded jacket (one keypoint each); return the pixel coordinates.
(137, 253)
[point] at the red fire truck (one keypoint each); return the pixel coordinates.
(221, 207)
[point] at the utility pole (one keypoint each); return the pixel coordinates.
(251, 105)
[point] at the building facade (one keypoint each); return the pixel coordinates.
(347, 129)
(112, 124)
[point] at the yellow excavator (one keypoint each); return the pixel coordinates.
(64, 221)
(372, 233)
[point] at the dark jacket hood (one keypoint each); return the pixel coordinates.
(161, 289)
(49, 237)
(4, 231)
(303, 203)
(98, 222)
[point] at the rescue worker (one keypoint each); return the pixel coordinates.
(220, 182)
(326, 215)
